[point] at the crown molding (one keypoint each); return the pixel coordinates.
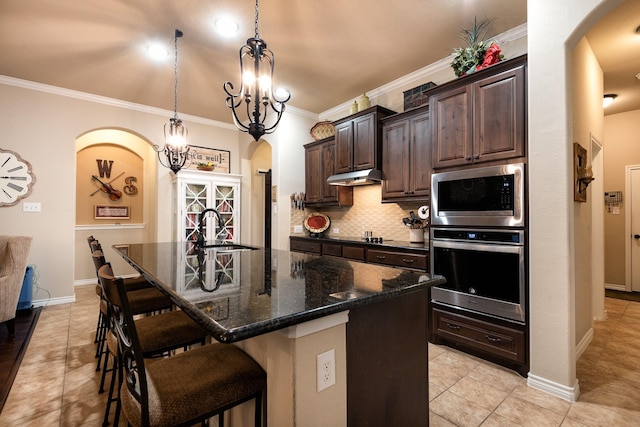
(424, 73)
(112, 102)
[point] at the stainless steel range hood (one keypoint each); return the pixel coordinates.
(351, 179)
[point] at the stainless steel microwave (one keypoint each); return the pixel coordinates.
(487, 196)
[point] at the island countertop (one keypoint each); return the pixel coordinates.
(241, 293)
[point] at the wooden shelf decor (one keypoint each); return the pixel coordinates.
(582, 173)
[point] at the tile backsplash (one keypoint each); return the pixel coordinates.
(367, 213)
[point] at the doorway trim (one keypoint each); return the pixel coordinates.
(627, 225)
(597, 231)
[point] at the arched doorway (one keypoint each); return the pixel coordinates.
(127, 163)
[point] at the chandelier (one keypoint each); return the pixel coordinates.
(175, 148)
(256, 76)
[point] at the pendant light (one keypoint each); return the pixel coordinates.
(175, 148)
(256, 77)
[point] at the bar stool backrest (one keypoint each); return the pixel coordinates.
(122, 318)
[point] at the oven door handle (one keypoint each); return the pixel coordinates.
(507, 248)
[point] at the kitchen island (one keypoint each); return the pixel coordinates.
(285, 308)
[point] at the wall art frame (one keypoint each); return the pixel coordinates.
(220, 158)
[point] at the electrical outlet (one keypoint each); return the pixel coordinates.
(326, 367)
(297, 229)
(336, 230)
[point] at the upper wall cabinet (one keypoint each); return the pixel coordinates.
(320, 165)
(406, 156)
(480, 117)
(359, 140)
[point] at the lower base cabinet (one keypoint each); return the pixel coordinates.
(403, 257)
(387, 353)
(499, 342)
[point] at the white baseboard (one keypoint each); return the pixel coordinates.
(569, 394)
(584, 343)
(613, 287)
(54, 301)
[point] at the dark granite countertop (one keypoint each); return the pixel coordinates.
(388, 244)
(238, 294)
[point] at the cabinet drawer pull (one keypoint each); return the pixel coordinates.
(381, 257)
(408, 261)
(493, 339)
(452, 326)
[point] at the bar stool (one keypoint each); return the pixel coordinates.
(145, 299)
(186, 388)
(159, 335)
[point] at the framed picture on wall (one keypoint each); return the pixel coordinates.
(219, 158)
(580, 171)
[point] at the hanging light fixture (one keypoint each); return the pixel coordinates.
(608, 99)
(256, 77)
(175, 148)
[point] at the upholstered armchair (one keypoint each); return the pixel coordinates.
(14, 252)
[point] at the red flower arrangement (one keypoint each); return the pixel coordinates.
(491, 56)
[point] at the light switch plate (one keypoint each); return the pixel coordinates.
(31, 207)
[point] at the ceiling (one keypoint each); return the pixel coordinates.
(616, 45)
(327, 52)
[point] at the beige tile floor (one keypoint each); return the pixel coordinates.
(57, 383)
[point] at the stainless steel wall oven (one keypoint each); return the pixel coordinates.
(485, 270)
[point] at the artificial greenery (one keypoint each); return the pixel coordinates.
(467, 57)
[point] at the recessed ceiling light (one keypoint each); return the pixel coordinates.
(158, 50)
(226, 26)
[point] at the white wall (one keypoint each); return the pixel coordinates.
(554, 28)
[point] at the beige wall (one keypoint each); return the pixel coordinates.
(588, 119)
(45, 125)
(622, 149)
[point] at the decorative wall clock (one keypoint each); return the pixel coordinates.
(16, 178)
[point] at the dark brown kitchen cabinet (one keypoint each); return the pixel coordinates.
(480, 117)
(319, 165)
(358, 140)
(406, 156)
(502, 343)
(396, 256)
(398, 259)
(305, 245)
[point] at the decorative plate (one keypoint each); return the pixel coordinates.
(316, 223)
(322, 130)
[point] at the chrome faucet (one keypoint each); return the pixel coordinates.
(200, 239)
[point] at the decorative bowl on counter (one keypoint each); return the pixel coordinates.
(316, 223)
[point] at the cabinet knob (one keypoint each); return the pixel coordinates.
(467, 158)
(636, 236)
(493, 339)
(476, 156)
